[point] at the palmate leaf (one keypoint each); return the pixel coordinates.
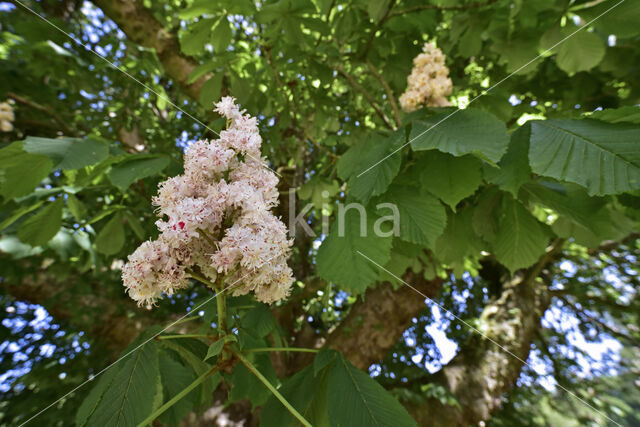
(369, 166)
(126, 396)
(41, 227)
(463, 132)
(603, 157)
(68, 153)
(339, 260)
(521, 238)
(21, 172)
(133, 168)
(422, 216)
(514, 169)
(450, 178)
(175, 378)
(356, 399)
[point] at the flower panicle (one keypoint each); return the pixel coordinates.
(216, 218)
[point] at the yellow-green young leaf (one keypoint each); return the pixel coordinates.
(41, 227)
(69, 153)
(77, 209)
(19, 213)
(215, 349)
(357, 400)
(128, 397)
(463, 132)
(450, 178)
(521, 239)
(199, 34)
(603, 157)
(580, 52)
(111, 238)
(339, 260)
(21, 172)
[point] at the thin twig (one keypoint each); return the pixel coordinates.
(44, 109)
(387, 89)
(435, 6)
(367, 95)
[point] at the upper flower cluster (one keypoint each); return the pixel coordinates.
(429, 83)
(216, 219)
(6, 117)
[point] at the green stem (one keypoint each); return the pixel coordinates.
(207, 237)
(272, 389)
(177, 397)
(287, 349)
(204, 280)
(171, 337)
(221, 303)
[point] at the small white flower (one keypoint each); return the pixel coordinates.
(195, 208)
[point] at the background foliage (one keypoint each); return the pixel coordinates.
(549, 155)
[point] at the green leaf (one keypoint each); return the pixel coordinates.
(175, 378)
(485, 216)
(68, 153)
(459, 239)
(128, 398)
(356, 399)
(193, 41)
(422, 216)
(77, 209)
(135, 225)
(615, 17)
(95, 396)
(245, 385)
(259, 321)
(521, 239)
(210, 91)
(580, 52)
(19, 213)
(215, 349)
(307, 393)
(134, 168)
(603, 157)
(462, 132)
(513, 169)
(193, 352)
(41, 227)
(221, 36)
(450, 178)
(338, 259)
(629, 114)
(370, 166)
(323, 358)
(111, 238)
(377, 9)
(21, 172)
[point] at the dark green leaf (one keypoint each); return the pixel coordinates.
(110, 239)
(68, 153)
(21, 172)
(41, 227)
(134, 168)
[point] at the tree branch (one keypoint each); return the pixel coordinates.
(141, 27)
(44, 109)
(390, 96)
(367, 96)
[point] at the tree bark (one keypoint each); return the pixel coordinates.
(141, 27)
(376, 322)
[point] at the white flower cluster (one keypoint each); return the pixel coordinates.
(429, 83)
(6, 117)
(217, 221)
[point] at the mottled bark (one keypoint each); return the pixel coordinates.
(141, 27)
(376, 323)
(488, 365)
